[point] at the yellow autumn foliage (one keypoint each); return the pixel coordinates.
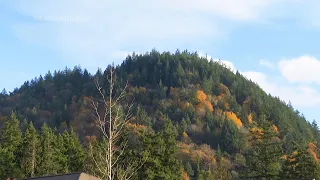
(232, 116)
(186, 138)
(209, 105)
(185, 175)
(136, 127)
(250, 119)
(312, 148)
(220, 97)
(227, 106)
(195, 152)
(291, 159)
(203, 101)
(201, 96)
(185, 135)
(275, 128)
(284, 157)
(142, 89)
(185, 151)
(186, 105)
(256, 132)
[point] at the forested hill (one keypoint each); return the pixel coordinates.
(213, 109)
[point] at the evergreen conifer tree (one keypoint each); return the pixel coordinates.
(48, 156)
(264, 157)
(30, 149)
(11, 137)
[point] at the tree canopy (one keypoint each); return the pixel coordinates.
(47, 126)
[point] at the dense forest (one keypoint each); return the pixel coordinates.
(191, 119)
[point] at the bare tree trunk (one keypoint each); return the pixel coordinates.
(33, 158)
(111, 123)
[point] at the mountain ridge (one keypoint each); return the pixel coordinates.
(210, 106)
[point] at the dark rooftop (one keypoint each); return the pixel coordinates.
(71, 176)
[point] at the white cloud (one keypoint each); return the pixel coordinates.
(262, 80)
(225, 63)
(300, 96)
(204, 55)
(90, 31)
(121, 54)
(257, 77)
(231, 9)
(304, 69)
(266, 63)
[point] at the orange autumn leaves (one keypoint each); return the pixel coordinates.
(258, 132)
(203, 100)
(185, 175)
(290, 158)
(250, 119)
(313, 149)
(195, 152)
(275, 129)
(201, 96)
(136, 128)
(233, 117)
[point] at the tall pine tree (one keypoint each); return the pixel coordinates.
(48, 156)
(10, 142)
(74, 152)
(30, 149)
(160, 154)
(264, 156)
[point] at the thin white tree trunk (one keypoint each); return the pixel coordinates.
(113, 121)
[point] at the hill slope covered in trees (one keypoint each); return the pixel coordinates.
(222, 124)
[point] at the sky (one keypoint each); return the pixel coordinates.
(275, 43)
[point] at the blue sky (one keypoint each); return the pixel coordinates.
(273, 42)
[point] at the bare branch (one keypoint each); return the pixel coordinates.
(111, 122)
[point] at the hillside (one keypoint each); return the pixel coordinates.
(213, 110)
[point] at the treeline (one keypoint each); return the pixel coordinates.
(213, 113)
(162, 81)
(33, 153)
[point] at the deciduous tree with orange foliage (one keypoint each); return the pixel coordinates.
(233, 117)
(250, 118)
(203, 101)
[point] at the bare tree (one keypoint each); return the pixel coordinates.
(111, 121)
